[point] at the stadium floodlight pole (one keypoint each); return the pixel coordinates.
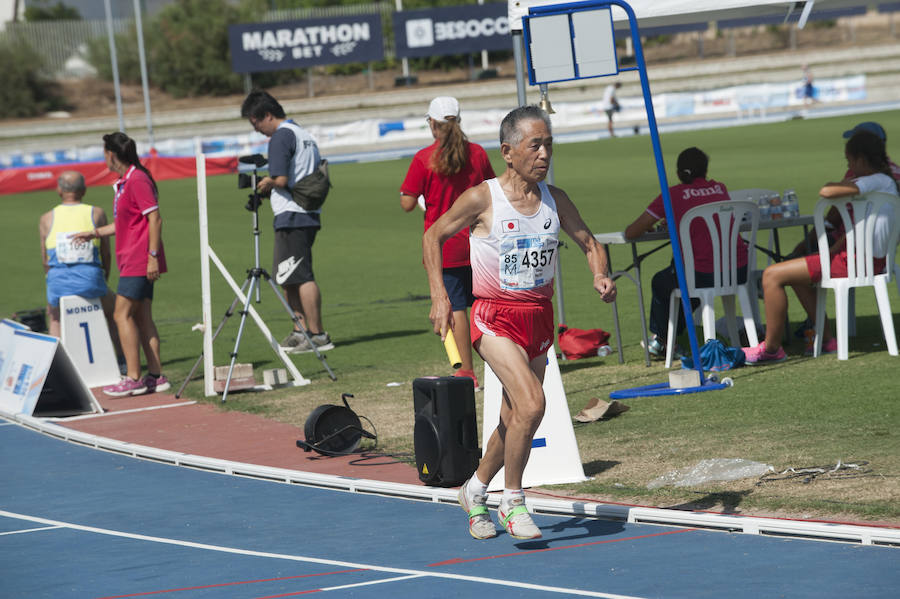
(115, 64)
(143, 59)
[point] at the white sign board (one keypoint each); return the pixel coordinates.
(573, 45)
(85, 335)
(38, 378)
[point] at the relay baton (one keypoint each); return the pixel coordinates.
(452, 350)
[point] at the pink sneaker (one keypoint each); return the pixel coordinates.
(156, 384)
(759, 355)
(470, 374)
(126, 386)
(828, 347)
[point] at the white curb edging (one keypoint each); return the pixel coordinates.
(820, 531)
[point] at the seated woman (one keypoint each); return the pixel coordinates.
(866, 157)
(695, 190)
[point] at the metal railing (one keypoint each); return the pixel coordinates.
(58, 42)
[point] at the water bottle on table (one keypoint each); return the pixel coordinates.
(763, 203)
(776, 210)
(791, 205)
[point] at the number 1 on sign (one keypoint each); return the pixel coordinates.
(87, 341)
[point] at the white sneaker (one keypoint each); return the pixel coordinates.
(516, 520)
(480, 524)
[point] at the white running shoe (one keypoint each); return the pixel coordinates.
(516, 520)
(480, 524)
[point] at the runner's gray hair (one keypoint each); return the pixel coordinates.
(509, 128)
(71, 182)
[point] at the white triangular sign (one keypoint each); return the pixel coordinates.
(554, 451)
(84, 333)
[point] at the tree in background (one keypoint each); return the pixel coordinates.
(24, 92)
(42, 10)
(187, 49)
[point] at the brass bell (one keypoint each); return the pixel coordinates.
(545, 101)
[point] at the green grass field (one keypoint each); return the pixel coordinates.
(801, 413)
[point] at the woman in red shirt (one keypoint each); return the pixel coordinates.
(694, 190)
(440, 173)
(141, 260)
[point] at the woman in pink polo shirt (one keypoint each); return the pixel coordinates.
(141, 260)
(694, 190)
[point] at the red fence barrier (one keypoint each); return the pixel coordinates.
(41, 178)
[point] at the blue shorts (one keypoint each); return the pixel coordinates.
(86, 280)
(458, 283)
(136, 288)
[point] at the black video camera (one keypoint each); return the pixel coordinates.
(248, 175)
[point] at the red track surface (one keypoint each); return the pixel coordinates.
(202, 429)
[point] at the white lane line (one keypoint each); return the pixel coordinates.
(132, 411)
(18, 532)
(314, 560)
(371, 582)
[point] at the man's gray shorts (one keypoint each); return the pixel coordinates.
(293, 255)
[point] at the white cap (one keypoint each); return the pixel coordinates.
(443, 107)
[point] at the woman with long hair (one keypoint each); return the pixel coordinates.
(140, 259)
(867, 159)
(440, 173)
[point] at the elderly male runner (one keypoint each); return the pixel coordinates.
(514, 222)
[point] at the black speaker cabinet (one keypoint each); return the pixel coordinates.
(446, 430)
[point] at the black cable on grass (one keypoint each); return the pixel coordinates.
(396, 458)
(809, 474)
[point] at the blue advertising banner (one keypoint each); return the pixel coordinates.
(298, 44)
(451, 30)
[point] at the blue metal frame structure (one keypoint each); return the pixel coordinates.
(641, 68)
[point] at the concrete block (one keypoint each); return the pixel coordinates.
(275, 377)
(681, 379)
(241, 378)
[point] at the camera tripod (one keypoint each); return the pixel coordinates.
(251, 287)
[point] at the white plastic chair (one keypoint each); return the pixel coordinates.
(723, 221)
(859, 225)
(754, 276)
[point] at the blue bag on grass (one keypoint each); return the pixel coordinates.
(715, 356)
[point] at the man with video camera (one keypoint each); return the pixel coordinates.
(293, 156)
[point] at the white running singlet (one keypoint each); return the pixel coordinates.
(517, 260)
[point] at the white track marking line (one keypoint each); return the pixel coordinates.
(371, 582)
(18, 532)
(314, 560)
(132, 411)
